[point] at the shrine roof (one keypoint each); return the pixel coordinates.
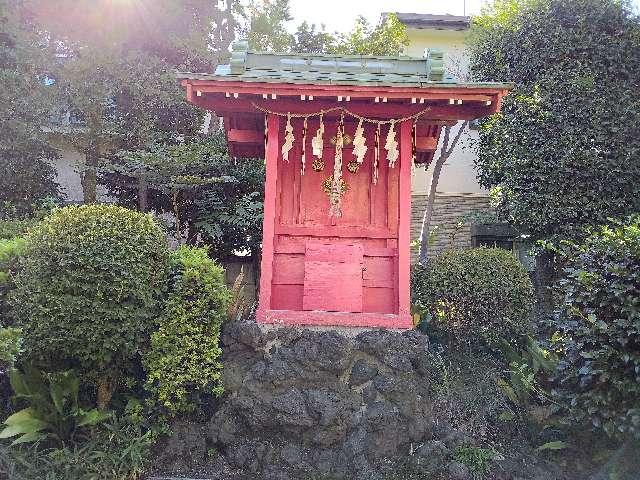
(322, 69)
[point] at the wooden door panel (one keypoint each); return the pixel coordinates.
(333, 278)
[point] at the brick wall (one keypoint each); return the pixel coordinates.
(448, 209)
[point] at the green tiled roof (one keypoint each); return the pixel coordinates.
(249, 66)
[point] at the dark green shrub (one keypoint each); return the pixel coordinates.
(599, 329)
(88, 290)
(475, 296)
(10, 250)
(183, 363)
(10, 229)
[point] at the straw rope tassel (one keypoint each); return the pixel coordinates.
(288, 139)
(376, 156)
(304, 146)
(336, 184)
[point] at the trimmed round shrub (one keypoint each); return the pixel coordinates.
(475, 297)
(89, 290)
(183, 364)
(599, 329)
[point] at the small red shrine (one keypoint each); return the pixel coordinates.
(340, 136)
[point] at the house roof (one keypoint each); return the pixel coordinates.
(250, 66)
(438, 22)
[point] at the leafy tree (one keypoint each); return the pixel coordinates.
(266, 30)
(564, 152)
(213, 198)
(388, 37)
(113, 66)
(26, 174)
(309, 40)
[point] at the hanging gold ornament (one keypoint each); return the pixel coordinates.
(391, 145)
(288, 139)
(317, 142)
(335, 197)
(317, 164)
(328, 183)
(266, 137)
(353, 166)
(359, 144)
(346, 139)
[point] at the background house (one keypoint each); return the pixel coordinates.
(458, 191)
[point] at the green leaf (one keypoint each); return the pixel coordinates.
(21, 416)
(507, 390)
(92, 417)
(557, 445)
(29, 437)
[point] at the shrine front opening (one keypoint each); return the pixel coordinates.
(339, 136)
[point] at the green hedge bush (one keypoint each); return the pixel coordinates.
(10, 250)
(183, 363)
(475, 297)
(88, 290)
(599, 328)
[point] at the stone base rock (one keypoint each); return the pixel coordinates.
(306, 404)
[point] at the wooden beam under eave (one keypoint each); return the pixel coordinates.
(245, 136)
(224, 106)
(424, 144)
(451, 90)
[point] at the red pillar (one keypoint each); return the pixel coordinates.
(268, 224)
(404, 226)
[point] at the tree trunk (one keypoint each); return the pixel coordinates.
(445, 153)
(89, 179)
(428, 213)
(105, 391)
(143, 191)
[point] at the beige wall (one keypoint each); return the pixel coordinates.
(458, 174)
(67, 168)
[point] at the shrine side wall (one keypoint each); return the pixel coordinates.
(448, 209)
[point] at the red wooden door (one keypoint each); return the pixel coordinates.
(333, 278)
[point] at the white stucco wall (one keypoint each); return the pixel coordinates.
(458, 174)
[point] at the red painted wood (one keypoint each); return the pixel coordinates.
(334, 231)
(333, 278)
(288, 269)
(271, 178)
(346, 319)
(369, 251)
(286, 297)
(378, 272)
(379, 300)
(245, 136)
(404, 227)
(223, 105)
(426, 143)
